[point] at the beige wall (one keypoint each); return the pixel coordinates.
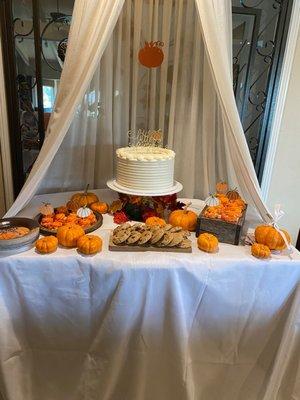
(285, 182)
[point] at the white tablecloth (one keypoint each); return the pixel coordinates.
(153, 326)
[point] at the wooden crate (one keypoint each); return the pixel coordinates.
(226, 232)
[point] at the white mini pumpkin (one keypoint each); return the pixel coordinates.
(212, 201)
(84, 212)
(46, 209)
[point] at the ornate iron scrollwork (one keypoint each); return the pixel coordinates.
(254, 79)
(56, 18)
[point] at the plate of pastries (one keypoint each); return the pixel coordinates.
(82, 209)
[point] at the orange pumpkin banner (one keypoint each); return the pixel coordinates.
(151, 55)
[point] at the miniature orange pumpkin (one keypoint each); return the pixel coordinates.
(233, 195)
(99, 207)
(260, 250)
(86, 198)
(68, 235)
(152, 221)
(46, 244)
(73, 205)
(89, 244)
(269, 236)
(221, 187)
(207, 242)
(187, 219)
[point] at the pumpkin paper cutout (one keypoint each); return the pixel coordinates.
(151, 55)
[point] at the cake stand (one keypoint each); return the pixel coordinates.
(112, 184)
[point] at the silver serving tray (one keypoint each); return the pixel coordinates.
(22, 243)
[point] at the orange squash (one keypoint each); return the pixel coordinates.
(73, 205)
(187, 219)
(260, 250)
(152, 221)
(269, 236)
(221, 187)
(89, 244)
(86, 198)
(99, 207)
(46, 244)
(207, 242)
(233, 195)
(68, 235)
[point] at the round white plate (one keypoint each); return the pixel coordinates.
(112, 184)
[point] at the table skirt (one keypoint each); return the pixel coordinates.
(155, 327)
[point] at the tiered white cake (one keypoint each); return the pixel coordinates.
(145, 168)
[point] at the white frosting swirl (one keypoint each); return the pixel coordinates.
(145, 153)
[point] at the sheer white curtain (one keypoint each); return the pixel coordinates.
(92, 24)
(179, 98)
(189, 97)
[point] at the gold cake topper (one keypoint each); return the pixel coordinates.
(143, 138)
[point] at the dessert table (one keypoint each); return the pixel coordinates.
(153, 326)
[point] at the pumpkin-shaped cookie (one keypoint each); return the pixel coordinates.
(207, 242)
(269, 236)
(46, 244)
(100, 207)
(260, 250)
(155, 221)
(68, 235)
(186, 219)
(89, 244)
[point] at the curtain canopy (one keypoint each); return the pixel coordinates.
(104, 92)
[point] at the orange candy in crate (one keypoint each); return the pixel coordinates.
(229, 209)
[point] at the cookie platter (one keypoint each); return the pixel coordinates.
(140, 237)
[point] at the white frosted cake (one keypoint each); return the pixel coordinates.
(145, 168)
